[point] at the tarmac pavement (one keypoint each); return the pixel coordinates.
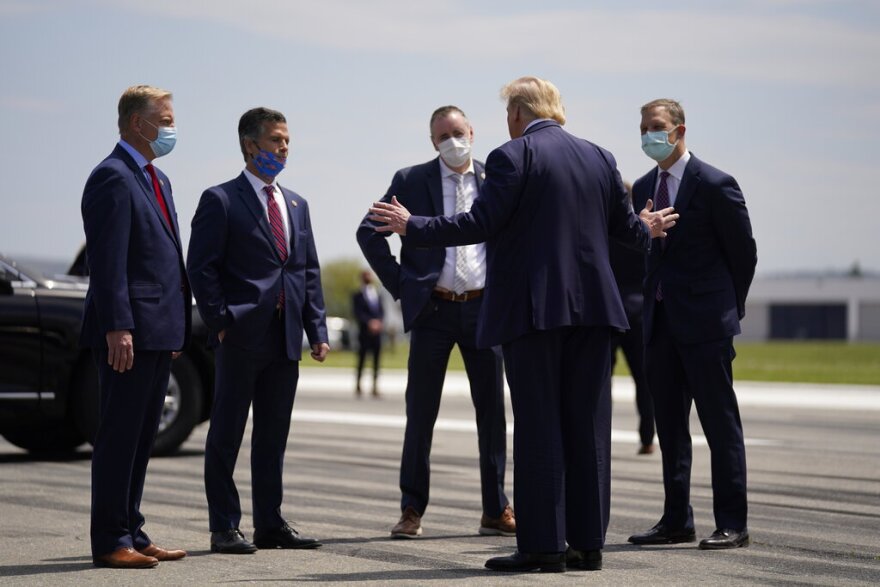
(814, 491)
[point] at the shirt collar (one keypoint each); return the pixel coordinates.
(536, 121)
(676, 170)
(258, 184)
(139, 159)
(446, 171)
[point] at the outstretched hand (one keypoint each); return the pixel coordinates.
(660, 221)
(391, 216)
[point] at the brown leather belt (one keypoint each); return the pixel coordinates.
(451, 296)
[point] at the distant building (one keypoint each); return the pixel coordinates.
(804, 307)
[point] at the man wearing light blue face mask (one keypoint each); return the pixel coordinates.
(694, 298)
(255, 275)
(137, 318)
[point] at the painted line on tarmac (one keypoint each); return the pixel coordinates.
(451, 425)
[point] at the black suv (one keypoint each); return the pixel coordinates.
(49, 385)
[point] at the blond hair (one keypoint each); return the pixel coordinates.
(538, 96)
(676, 112)
(137, 100)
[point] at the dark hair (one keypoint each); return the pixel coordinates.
(251, 125)
(441, 113)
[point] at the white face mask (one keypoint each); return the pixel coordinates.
(455, 151)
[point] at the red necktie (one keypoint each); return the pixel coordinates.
(157, 190)
(277, 225)
(661, 201)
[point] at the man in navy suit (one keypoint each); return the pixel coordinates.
(546, 210)
(441, 293)
(695, 293)
(254, 272)
(136, 319)
(369, 314)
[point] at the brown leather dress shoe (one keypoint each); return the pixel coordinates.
(646, 449)
(161, 554)
(409, 526)
(125, 558)
(503, 525)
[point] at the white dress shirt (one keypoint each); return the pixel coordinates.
(476, 254)
(673, 182)
(258, 185)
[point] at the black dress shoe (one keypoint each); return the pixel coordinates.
(721, 539)
(283, 537)
(584, 560)
(660, 534)
(520, 561)
(231, 542)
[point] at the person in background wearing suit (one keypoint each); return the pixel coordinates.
(546, 210)
(369, 313)
(441, 296)
(136, 320)
(255, 275)
(695, 293)
(629, 272)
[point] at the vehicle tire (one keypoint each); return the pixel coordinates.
(46, 437)
(180, 414)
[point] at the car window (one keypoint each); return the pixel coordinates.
(14, 277)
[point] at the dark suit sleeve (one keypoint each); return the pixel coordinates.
(314, 316)
(205, 258)
(624, 225)
(375, 247)
(491, 211)
(734, 229)
(106, 211)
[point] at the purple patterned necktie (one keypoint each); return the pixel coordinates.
(277, 225)
(661, 201)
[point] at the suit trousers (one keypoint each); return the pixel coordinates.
(561, 394)
(130, 408)
(681, 375)
(632, 344)
(266, 378)
(372, 344)
(442, 325)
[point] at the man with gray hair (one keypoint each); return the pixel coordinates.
(138, 304)
(255, 275)
(548, 206)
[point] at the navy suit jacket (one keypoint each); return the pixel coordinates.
(420, 189)
(546, 209)
(709, 259)
(364, 311)
(237, 274)
(137, 278)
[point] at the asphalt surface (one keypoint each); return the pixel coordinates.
(814, 490)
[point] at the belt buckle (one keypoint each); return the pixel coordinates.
(462, 297)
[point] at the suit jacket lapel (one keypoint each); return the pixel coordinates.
(435, 188)
(292, 218)
(147, 188)
(690, 179)
(249, 199)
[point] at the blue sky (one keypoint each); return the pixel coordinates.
(782, 94)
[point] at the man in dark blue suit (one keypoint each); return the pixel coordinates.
(695, 293)
(254, 272)
(441, 294)
(137, 318)
(546, 210)
(368, 312)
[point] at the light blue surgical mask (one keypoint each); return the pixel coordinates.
(656, 144)
(269, 164)
(165, 140)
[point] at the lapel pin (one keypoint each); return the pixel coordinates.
(293, 203)
(162, 182)
(482, 175)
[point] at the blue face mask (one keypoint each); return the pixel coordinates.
(165, 141)
(269, 164)
(656, 144)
